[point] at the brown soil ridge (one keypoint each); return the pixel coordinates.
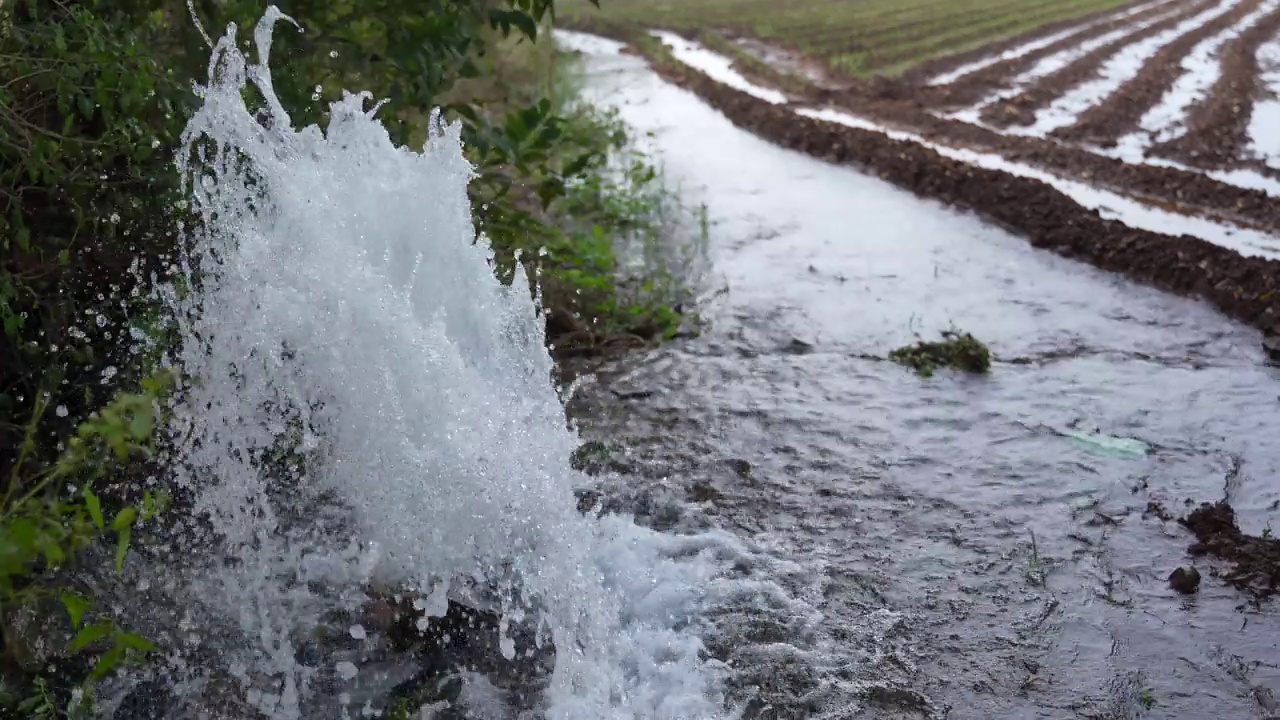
(1245, 288)
(1021, 109)
(1218, 128)
(1120, 113)
(1179, 189)
(975, 86)
(1255, 561)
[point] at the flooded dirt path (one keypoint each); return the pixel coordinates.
(956, 554)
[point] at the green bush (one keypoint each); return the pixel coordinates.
(94, 97)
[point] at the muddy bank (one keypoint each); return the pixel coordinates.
(1244, 288)
(1254, 560)
(1021, 109)
(1120, 113)
(1218, 127)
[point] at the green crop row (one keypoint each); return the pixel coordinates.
(862, 37)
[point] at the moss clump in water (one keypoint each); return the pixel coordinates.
(958, 350)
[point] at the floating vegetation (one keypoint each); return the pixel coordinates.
(961, 351)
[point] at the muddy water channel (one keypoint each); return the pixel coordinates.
(950, 552)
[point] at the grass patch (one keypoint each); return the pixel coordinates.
(869, 37)
(956, 350)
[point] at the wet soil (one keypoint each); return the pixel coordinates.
(1180, 190)
(1253, 560)
(1120, 112)
(1242, 287)
(1021, 109)
(1218, 127)
(974, 86)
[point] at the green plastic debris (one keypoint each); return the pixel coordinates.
(1108, 444)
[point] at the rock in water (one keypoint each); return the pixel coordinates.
(1185, 580)
(1271, 344)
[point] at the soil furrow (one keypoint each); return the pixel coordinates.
(1218, 128)
(1119, 114)
(972, 88)
(922, 73)
(1179, 188)
(1021, 109)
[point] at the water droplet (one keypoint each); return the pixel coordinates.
(155, 143)
(346, 670)
(333, 53)
(115, 218)
(101, 320)
(357, 632)
(60, 411)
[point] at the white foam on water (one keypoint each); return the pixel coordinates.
(1115, 72)
(1051, 64)
(715, 66)
(341, 275)
(1264, 123)
(1202, 67)
(1027, 48)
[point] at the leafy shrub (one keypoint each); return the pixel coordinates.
(95, 94)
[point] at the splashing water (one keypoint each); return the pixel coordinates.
(340, 279)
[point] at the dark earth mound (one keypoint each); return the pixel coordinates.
(1254, 560)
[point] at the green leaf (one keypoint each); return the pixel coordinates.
(135, 642)
(108, 662)
(76, 607)
(95, 507)
(141, 425)
(124, 519)
(526, 24)
(22, 532)
(122, 549)
(53, 553)
(90, 634)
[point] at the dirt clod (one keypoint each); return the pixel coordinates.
(1185, 580)
(1255, 560)
(741, 468)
